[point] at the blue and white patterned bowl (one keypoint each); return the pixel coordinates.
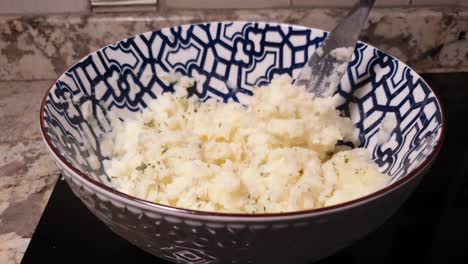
(124, 77)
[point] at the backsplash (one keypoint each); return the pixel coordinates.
(42, 47)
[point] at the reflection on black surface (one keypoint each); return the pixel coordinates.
(431, 227)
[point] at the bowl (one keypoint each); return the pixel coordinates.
(124, 77)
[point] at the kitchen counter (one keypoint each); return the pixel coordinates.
(42, 47)
(27, 173)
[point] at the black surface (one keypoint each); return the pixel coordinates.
(431, 227)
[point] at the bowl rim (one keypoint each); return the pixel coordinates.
(222, 215)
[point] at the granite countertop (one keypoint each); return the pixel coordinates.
(427, 39)
(27, 173)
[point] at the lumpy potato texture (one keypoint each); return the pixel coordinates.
(277, 154)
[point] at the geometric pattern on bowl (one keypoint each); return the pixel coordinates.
(126, 76)
(227, 59)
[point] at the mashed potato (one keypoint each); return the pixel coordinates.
(279, 154)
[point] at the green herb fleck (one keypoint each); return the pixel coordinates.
(141, 167)
(164, 150)
(301, 171)
(346, 160)
(219, 124)
(150, 123)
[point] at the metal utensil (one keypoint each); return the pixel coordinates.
(325, 68)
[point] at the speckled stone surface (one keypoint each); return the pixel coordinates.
(27, 173)
(430, 40)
